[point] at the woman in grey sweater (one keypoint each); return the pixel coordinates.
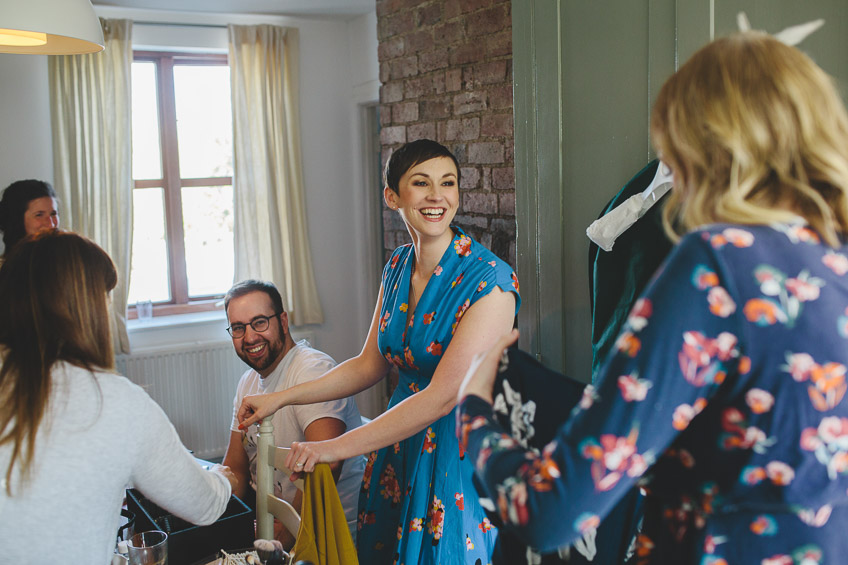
(73, 434)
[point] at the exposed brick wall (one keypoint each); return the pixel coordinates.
(446, 74)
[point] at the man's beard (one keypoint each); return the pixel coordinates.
(273, 351)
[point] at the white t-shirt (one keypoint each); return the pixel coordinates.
(301, 364)
(100, 434)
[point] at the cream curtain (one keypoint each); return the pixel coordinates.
(90, 99)
(271, 241)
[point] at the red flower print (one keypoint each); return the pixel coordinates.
(587, 522)
(780, 473)
(457, 280)
(763, 312)
(639, 314)
(612, 457)
(395, 261)
(684, 414)
(802, 290)
(410, 360)
(628, 344)
(460, 312)
(369, 468)
(462, 246)
(703, 278)
(435, 348)
(514, 281)
(836, 262)
(416, 525)
(469, 545)
(391, 488)
(482, 285)
(428, 318)
(436, 519)
(759, 401)
(413, 387)
(633, 388)
(543, 472)
(744, 365)
(429, 445)
(739, 238)
(365, 519)
(384, 321)
(814, 518)
(721, 304)
(460, 500)
(485, 526)
(700, 357)
(738, 435)
(778, 560)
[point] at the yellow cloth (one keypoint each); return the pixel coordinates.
(323, 537)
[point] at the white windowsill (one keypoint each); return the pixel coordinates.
(168, 332)
(176, 321)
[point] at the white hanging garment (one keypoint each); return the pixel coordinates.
(606, 229)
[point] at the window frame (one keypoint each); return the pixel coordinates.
(171, 182)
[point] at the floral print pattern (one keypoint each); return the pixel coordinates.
(418, 505)
(732, 369)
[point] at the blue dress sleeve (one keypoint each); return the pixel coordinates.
(681, 341)
(496, 274)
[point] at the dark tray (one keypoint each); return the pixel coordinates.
(188, 543)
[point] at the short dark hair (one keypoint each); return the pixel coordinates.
(253, 285)
(13, 205)
(411, 154)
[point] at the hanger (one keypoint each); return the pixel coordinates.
(606, 229)
(792, 35)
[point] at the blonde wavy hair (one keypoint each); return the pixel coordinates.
(755, 133)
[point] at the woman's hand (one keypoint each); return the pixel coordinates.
(255, 407)
(228, 474)
(304, 455)
(480, 378)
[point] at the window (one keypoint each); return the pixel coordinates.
(182, 254)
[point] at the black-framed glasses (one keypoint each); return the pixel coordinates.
(259, 324)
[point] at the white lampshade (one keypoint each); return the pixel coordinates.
(49, 27)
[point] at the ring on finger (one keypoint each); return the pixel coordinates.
(298, 465)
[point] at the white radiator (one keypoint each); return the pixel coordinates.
(195, 386)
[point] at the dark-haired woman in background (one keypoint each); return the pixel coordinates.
(27, 207)
(443, 299)
(73, 434)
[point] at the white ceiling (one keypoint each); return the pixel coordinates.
(337, 9)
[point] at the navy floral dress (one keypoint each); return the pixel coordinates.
(417, 505)
(723, 398)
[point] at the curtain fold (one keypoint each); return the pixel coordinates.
(271, 239)
(90, 100)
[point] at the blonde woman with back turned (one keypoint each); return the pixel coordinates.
(73, 434)
(725, 394)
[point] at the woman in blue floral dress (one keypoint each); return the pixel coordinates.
(443, 299)
(725, 394)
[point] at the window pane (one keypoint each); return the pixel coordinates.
(208, 224)
(149, 276)
(147, 163)
(204, 121)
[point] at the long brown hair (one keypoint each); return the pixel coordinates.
(53, 303)
(755, 133)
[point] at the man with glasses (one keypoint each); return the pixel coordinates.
(258, 325)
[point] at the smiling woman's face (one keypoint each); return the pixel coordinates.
(41, 213)
(428, 196)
